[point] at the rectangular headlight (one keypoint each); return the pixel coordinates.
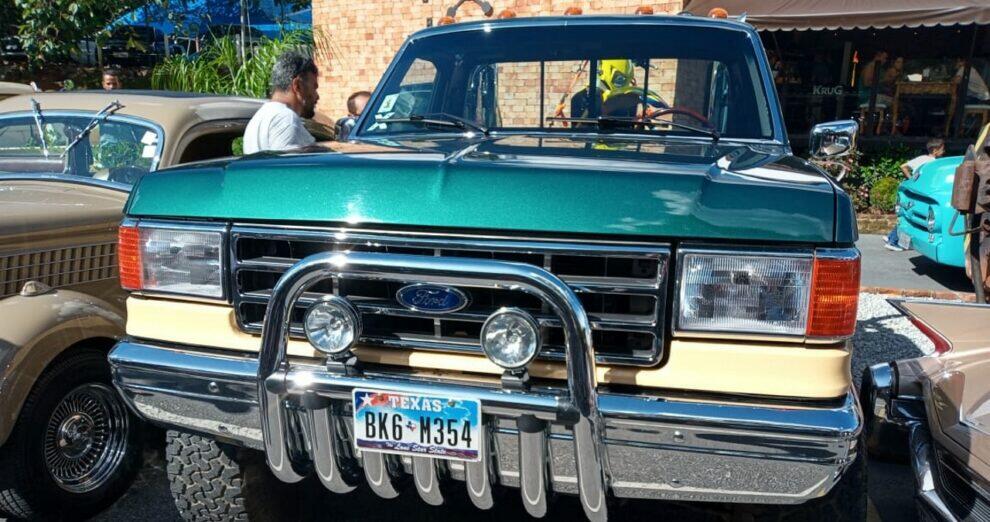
(761, 294)
(175, 260)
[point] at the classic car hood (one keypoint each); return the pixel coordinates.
(543, 185)
(934, 179)
(34, 211)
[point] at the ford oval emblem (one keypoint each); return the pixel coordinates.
(433, 299)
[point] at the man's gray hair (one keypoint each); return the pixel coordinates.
(288, 66)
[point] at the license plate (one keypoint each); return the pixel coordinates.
(412, 424)
(903, 240)
(120, 55)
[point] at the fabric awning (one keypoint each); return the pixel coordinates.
(802, 15)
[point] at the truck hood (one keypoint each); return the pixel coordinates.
(36, 212)
(934, 179)
(517, 183)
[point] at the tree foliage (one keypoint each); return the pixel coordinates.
(217, 69)
(50, 30)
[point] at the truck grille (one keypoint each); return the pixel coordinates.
(621, 285)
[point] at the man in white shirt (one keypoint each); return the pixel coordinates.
(278, 124)
(977, 90)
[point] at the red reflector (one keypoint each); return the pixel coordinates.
(942, 344)
(834, 297)
(129, 257)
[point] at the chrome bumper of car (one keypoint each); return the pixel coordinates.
(576, 440)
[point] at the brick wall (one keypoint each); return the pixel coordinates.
(362, 37)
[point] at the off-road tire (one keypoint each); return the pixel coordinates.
(212, 481)
(846, 502)
(27, 487)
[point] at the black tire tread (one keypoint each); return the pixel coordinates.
(206, 483)
(212, 481)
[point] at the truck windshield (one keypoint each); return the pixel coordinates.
(658, 78)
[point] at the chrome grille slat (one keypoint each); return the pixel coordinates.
(622, 286)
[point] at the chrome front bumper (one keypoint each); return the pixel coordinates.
(577, 439)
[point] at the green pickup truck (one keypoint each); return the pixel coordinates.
(568, 255)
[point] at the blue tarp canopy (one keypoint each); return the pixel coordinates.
(192, 17)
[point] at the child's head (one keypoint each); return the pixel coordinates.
(936, 147)
(356, 102)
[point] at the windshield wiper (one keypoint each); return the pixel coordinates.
(36, 112)
(606, 122)
(440, 119)
(104, 113)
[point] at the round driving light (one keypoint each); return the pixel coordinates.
(510, 338)
(332, 324)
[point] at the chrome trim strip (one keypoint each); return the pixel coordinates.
(379, 473)
(580, 361)
(427, 480)
(924, 478)
(479, 476)
(327, 458)
(534, 479)
(113, 185)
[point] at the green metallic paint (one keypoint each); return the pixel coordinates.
(748, 197)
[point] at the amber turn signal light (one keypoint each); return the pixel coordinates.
(446, 20)
(129, 257)
(573, 11)
(834, 297)
(506, 13)
(644, 10)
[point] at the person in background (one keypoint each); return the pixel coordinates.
(111, 79)
(355, 106)
(278, 124)
(977, 90)
(866, 78)
(936, 149)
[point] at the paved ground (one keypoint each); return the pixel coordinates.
(882, 335)
(907, 270)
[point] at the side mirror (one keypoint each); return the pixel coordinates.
(834, 139)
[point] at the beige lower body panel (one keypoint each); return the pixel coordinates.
(715, 366)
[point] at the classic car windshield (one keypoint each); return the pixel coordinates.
(663, 79)
(114, 150)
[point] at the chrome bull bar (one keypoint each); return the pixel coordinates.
(579, 407)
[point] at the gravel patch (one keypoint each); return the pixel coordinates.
(883, 335)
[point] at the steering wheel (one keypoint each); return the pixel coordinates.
(680, 110)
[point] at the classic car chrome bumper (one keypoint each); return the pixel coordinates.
(575, 440)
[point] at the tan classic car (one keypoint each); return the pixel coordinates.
(8, 89)
(67, 442)
(936, 408)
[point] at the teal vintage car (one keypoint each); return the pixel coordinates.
(924, 213)
(518, 274)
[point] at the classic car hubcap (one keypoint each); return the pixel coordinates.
(86, 438)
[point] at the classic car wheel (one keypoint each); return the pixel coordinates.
(215, 481)
(75, 448)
